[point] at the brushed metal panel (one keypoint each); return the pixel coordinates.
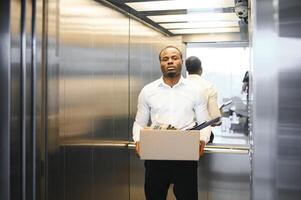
(21, 47)
(93, 71)
(111, 173)
(75, 40)
(78, 169)
(264, 112)
(5, 79)
(75, 81)
(50, 101)
(15, 65)
(110, 77)
(276, 121)
(38, 145)
(288, 179)
(289, 18)
(93, 97)
(27, 96)
(231, 181)
(136, 177)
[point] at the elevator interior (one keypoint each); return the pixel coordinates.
(71, 71)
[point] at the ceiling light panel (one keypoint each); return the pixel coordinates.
(204, 30)
(199, 25)
(180, 4)
(195, 17)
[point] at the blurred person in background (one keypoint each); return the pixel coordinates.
(209, 92)
(245, 84)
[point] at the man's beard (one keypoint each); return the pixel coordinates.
(171, 74)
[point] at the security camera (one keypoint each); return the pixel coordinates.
(241, 9)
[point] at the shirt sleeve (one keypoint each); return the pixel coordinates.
(142, 116)
(202, 115)
(213, 108)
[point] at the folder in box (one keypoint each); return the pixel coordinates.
(169, 145)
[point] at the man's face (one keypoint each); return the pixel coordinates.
(171, 62)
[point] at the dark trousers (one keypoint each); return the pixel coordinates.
(160, 174)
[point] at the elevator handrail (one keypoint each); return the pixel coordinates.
(210, 148)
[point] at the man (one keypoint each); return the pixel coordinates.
(194, 68)
(171, 100)
(245, 88)
(245, 85)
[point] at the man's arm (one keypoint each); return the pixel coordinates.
(141, 119)
(201, 113)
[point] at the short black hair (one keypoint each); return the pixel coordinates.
(193, 65)
(170, 47)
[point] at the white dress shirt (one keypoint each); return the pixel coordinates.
(178, 106)
(209, 94)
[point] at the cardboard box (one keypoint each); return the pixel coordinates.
(169, 145)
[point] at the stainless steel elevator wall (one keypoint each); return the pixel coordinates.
(276, 112)
(98, 60)
(21, 60)
(21, 43)
(5, 79)
(15, 87)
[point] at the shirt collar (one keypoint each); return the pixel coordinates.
(194, 76)
(181, 81)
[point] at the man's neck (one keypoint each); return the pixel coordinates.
(171, 81)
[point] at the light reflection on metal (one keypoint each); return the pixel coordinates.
(199, 25)
(204, 30)
(195, 17)
(179, 4)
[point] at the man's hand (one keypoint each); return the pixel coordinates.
(137, 144)
(202, 146)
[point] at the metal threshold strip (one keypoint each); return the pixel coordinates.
(210, 148)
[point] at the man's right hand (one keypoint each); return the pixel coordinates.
(137, 144)
(202, 146)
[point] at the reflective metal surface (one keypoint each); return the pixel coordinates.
(20, 95)
(5, 83)
(93, 89)
(276, 91)
(93, 71)
(50, 152)
(224, 177)
(220, 37)
(15, 106)
(37, 100)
